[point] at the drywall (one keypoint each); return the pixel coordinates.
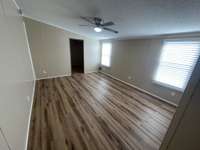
(16, 77)
(51, 50)
(188, 132)
(184, 131)
(138, 60)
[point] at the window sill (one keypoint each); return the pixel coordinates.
(105, 66)
(168, 86)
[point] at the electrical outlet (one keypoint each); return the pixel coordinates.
(129, 77)
(43, 71)
(173, 93)
(28, 98)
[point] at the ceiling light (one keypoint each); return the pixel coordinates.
(97, 29)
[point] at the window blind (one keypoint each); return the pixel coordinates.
(106, 54)
(177, 61)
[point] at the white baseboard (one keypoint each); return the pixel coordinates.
(30, 114)
(65, 75)
(51, 77)
(94, 71)
(140, 89)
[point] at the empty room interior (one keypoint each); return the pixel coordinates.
(99, 75)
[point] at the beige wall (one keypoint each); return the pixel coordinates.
(50, 50)
(139, 59)
(184, 131)
(187, 135)
(16, 77)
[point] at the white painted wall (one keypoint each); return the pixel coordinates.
(16, 76)
(92, 55)
(50, 50)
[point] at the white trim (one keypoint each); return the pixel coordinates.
(65, 75)
(168, 86)
(30, 114)
(186, 39)
(18, 8)
(34, 83)
(29, 51)
(93, 71)
(57, 26)
(70, 60)
(140, 89)
(158, 36)
(51, 77)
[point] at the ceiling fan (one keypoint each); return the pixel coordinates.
(99, 24)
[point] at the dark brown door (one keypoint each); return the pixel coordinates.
(77, 55)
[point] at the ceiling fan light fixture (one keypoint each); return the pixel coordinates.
(97, 29)
(99, 25)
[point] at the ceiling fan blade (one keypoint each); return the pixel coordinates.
(90, 20)
(108, 24)
(111, 30)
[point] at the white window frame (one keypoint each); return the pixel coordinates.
(109, 65)
(168, 85)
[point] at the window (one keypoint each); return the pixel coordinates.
(106, 54)
(177, 61)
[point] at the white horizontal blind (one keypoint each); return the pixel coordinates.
(106, 54)
(177, 61)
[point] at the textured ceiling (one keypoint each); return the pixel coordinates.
(133, 18)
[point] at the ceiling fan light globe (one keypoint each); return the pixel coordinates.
(97, 29)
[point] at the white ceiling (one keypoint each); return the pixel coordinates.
(133, 18)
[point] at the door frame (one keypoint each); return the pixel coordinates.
(71, 55)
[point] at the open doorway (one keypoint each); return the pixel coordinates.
(77, 55)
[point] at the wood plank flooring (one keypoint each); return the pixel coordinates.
(95, 112)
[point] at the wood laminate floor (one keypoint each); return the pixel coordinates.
(95, 112)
